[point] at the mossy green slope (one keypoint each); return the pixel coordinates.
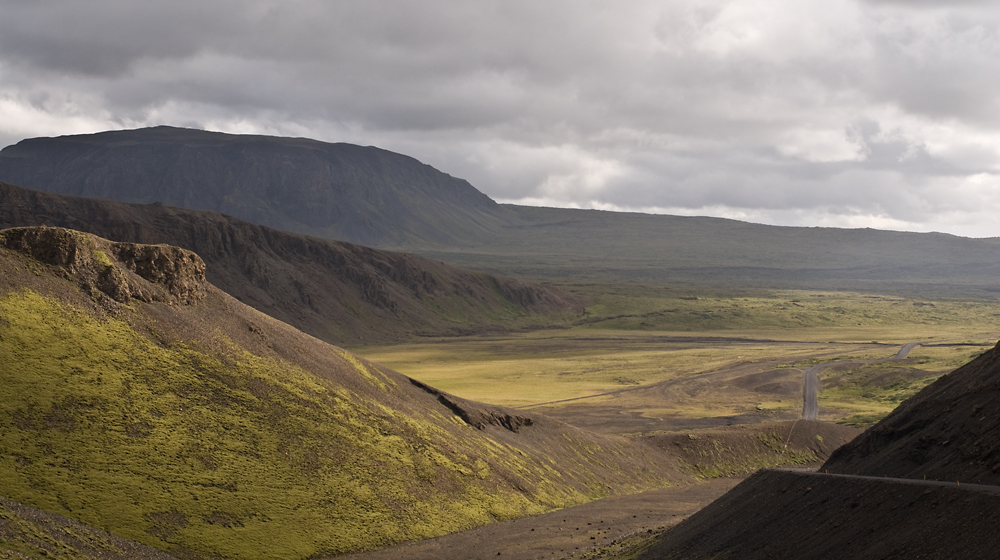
(200, 427)
(27, 532)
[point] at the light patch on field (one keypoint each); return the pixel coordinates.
(662, 352)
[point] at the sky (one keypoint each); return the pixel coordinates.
(843, 113)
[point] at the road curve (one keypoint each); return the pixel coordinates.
(810, 386)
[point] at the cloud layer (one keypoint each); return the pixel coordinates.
(800, 112)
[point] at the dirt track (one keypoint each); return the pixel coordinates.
(562, 533)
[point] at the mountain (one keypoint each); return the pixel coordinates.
(341, 191)
(391, 201)
(922, 483)
(139, 399)
(338, 292)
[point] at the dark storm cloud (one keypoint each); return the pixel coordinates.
(834, 112)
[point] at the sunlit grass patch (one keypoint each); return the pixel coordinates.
(866, 393)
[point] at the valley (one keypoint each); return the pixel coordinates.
(642, 361)
(200, 361)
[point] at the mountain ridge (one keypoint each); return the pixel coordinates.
(338, 292)
(293, 184)
(392, 201)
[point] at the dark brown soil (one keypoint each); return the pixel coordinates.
(784, 515)
(563, 533)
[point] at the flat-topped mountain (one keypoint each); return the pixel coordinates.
(340, 191)
(137, 398)
(336, 291)
(378, 198)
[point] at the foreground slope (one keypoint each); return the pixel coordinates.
(387, 200)
(948, 431)
(336, 291)
(137, 398)
(810, 516)
(922, 483)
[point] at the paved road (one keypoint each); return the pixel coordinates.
(810, 388)
(810, 392)
(905, 350)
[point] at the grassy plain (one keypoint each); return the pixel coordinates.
(661, 351)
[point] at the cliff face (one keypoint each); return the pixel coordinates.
(336, 291)
(120, 271)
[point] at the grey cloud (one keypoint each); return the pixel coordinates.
(779, 106)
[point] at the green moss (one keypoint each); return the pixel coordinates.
(172, 446)
(102, 258)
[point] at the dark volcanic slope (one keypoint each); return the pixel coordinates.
(391, 201)
(336, 291)
(875, 501)
(790, 516)
(948, 431)
(341, 191)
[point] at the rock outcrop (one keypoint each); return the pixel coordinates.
(119, 271)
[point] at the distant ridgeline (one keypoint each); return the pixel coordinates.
(335, 291)
(378, 198)
(340, 191)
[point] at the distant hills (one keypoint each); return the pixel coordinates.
(137, 398)
(336, 291)
(391, 201)
(338, 191)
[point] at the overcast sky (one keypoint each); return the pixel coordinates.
(843, 113)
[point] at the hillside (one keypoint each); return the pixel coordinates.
(922, 483)
(805, 516)
(948, 431)
(335, 291)
(391, 201)
(27, 532)
(137, 398)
